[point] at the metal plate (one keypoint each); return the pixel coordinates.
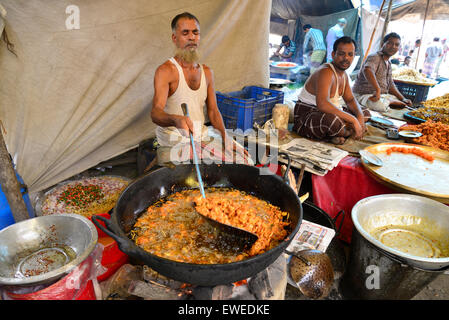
(41, 199)
(408, 134)
(407, 172)
(382, 121)
(371, 158)
(276, 64)
(279, 81)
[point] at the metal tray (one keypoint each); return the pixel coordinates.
(425, 84)
(411, 174)
(414, 119)
(276, 64)
(40, 200)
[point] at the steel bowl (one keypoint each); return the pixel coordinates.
(44, 249)
(405, 216)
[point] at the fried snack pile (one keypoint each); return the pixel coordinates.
(434, 134)
(436, 109)
(416, 151)
(438, 102)
(437, 114)
(248, 213)
(285, 64)
(411, 75)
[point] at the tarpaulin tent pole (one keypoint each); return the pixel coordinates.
(10, 185)
(387, 19)
(361, 29)
(374, 31)
(8, 180)
(422, 33)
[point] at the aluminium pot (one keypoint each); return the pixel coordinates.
(404, 210)
(376, 271)
(149, 188)
(34, 252)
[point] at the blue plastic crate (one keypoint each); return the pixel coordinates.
(415, 92)
(241, 109)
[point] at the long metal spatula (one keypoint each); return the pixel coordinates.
(238, 238)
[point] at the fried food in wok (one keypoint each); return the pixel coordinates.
(172, 228)
(245, 212)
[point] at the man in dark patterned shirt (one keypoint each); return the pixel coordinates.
(374, 87)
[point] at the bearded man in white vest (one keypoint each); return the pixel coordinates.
(181, 79)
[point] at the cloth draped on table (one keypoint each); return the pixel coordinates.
(341, 188)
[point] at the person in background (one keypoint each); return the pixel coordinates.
(433, 53)
(319, 112)
(289, 49)
(332, 35)
(374, 87)
(314, 37)
(445, 48)
(406, 50)
(182, 79)
(406, 62)
(414, 54)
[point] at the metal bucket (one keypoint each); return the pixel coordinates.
(396, 280)
(378, 271)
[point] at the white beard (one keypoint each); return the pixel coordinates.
(187, 55)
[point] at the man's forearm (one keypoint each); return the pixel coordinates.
(354, 107)
(162, 118)
(394, 91)
(286, 55)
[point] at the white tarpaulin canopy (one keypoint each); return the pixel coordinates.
(72, 98)
(415, 10)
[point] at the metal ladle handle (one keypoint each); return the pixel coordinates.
(185, 110)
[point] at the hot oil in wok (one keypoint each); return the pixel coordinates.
(172, 229)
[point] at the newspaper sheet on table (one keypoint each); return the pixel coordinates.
(319, 158)
(311, 236)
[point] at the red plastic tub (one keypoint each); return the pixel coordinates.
(112, 258)
(104, 215)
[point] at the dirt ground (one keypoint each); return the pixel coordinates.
(436, 290)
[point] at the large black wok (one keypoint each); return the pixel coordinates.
(148, 189)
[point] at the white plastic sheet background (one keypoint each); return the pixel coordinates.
(75, 97)
(369, 20)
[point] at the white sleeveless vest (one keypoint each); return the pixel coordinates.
(337, 100)
(196, 103)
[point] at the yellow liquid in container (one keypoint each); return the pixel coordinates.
(410, 240)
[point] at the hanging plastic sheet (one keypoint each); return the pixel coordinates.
(80, 89)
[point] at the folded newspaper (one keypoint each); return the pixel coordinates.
(319, 158)
(311, 236)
